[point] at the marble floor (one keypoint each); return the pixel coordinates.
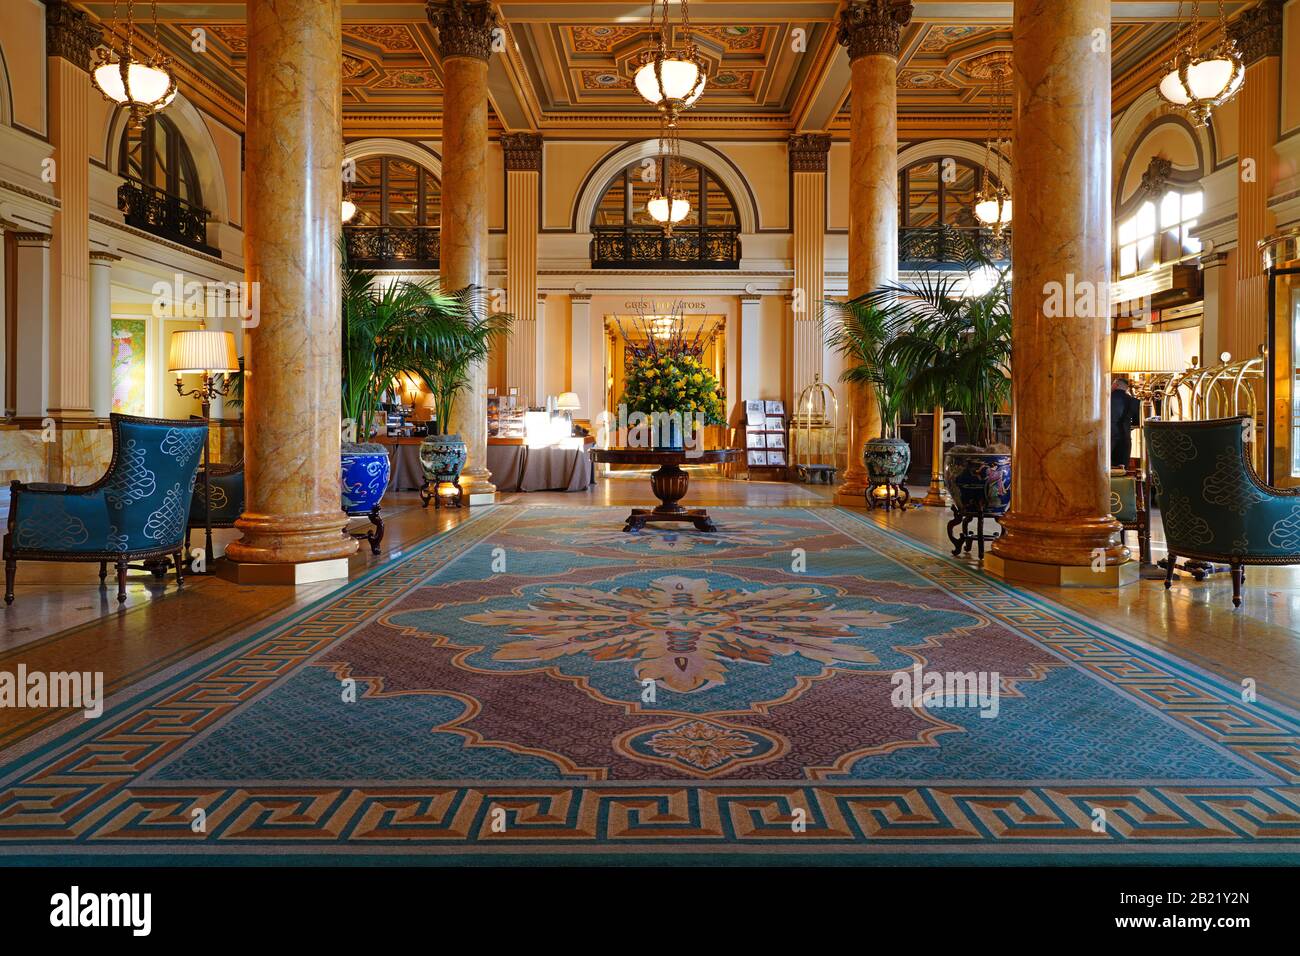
(63, 619)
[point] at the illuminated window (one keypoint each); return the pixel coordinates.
(1160, 231)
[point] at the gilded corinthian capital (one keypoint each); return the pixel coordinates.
(465, 27)
(869, 27)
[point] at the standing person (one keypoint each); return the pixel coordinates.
(1125, 413)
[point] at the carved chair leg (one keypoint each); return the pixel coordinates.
(1237, 576)
(179, 558)
(377, 535)
(121, 580)
(11, 568)
(103, 570)
(1170, 560)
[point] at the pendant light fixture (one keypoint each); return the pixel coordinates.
(667, 206)
(670, 79)
(993, 203)
(1199, 84)
(144, 87)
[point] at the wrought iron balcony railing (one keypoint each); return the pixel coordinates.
(689, 247)
(393, 247)
(951, 244)
(164, 215)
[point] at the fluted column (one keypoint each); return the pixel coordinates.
(31, 386)
(294, 148)
(465, 43)
(1059, 529)
(808, 153)
(70, 37)
(871, 30)
(1258, 33)
(523, 155)
(101, 332)
(581, 378)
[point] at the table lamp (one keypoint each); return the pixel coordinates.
(208, 354)
(568, 402)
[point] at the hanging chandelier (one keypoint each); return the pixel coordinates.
(667, 206)
(144, 87)
(993, 203)
(670, 79)
(1199, 84)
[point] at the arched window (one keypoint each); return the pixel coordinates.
(1156, 228)
(389, 191)
(625, 235)
(156, 156)
(161, 194)
(939, 191)
(399, 210)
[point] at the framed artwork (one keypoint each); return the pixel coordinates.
(754, 409)
(775, 424)
(776, 458)
(774, 407)
(757, 458)
(127, 361)
(776, 440)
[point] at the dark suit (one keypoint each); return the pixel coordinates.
(1125, 413)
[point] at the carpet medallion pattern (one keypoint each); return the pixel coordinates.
(535, 684)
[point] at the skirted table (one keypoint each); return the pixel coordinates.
(404, 453)
(516, 467)
(669, 483)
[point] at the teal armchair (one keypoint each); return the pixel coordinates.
(1213, 505)
(138, 510)
(1128, 506)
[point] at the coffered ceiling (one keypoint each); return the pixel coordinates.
(774, 66)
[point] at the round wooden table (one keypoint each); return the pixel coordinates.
(668, 483)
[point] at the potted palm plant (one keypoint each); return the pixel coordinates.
(950, 342)
(390, 329)
(465, 334)
(861, 332)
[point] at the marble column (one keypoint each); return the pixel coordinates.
(808, 154)
(70, 36)
(1059, 529)
(523, 156)
(32, 325)
(871, 30)
(292, 521)
(101, 332)
(465, 44)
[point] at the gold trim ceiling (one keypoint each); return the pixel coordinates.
(774, 65)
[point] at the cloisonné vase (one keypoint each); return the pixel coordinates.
(978, 481)
(363, 473)
(887, 460)
(442, 457)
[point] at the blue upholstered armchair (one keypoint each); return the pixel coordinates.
(227, 497)
(1128, 506)
(1213, 506)
(138, 510)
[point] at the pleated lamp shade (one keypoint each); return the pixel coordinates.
(1150, 353)
(203, 350)
(568, 402)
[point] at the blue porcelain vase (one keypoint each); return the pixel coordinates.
(442, 457)
(887, 460)
(978, 481)
(363, 474)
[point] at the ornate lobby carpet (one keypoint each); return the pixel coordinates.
(537, 686)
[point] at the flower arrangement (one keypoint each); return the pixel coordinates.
(665, 373)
